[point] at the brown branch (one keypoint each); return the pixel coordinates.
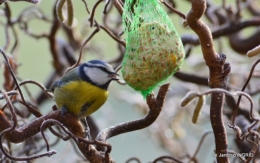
(53, 43)
(161, 158)
(51, 79)
(22, 133)
(191, 78)
(9, 130)
(237, 42)
(167, 158)
(253, 8)
(31, 1)
(106, 6)
(74, 40)
(121, 42)
(244, 87)
(224, 30)
(7, 25)
(83, 46)
(91, 18)
(199, 145)
(173, 9)
(133, 159)
(218, 72)
(29, 107)
(71, 122)
(155, 105)
(86, 6)
(203, 32)
(118, 6)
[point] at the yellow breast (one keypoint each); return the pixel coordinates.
(80, 98)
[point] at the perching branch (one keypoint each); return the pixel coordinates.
(10, 130)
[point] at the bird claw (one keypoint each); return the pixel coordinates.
(63, 110)
(87, 133)
(86, 129)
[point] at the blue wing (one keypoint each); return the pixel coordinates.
(72, 75)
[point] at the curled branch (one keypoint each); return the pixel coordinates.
(167, 158)
(83, 46)
(218, 74)
(191, 95)
(10, 130)
(243, 88)
(155, 106)
(91, 18)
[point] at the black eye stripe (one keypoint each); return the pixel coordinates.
(101, 68)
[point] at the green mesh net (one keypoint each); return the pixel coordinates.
(154, 50)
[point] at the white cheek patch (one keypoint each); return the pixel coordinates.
(96, 75)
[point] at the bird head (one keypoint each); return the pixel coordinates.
(98, 73)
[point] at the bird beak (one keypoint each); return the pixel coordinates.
(114, 76)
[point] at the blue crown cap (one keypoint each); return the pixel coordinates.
(97, 62)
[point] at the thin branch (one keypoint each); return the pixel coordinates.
(243, 88)
(133, 159)
(118, 6)
(175, 160)
(10, 93)
(192, 78)
(31, 1)
(41, 86)
(113, 36)
(106, 6)
(86, 6)
(12, 73)
(83, 46)
(183, 16)
(63, 137)
(193, 157)
(91, 18)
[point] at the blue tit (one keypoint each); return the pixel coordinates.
(84, 89)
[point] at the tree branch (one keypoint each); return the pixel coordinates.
(218, 72)
(155, 106)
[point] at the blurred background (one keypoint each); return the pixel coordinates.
(173, 133)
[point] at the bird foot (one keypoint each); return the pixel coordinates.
(63, 110)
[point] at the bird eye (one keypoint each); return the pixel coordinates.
(103, 68)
